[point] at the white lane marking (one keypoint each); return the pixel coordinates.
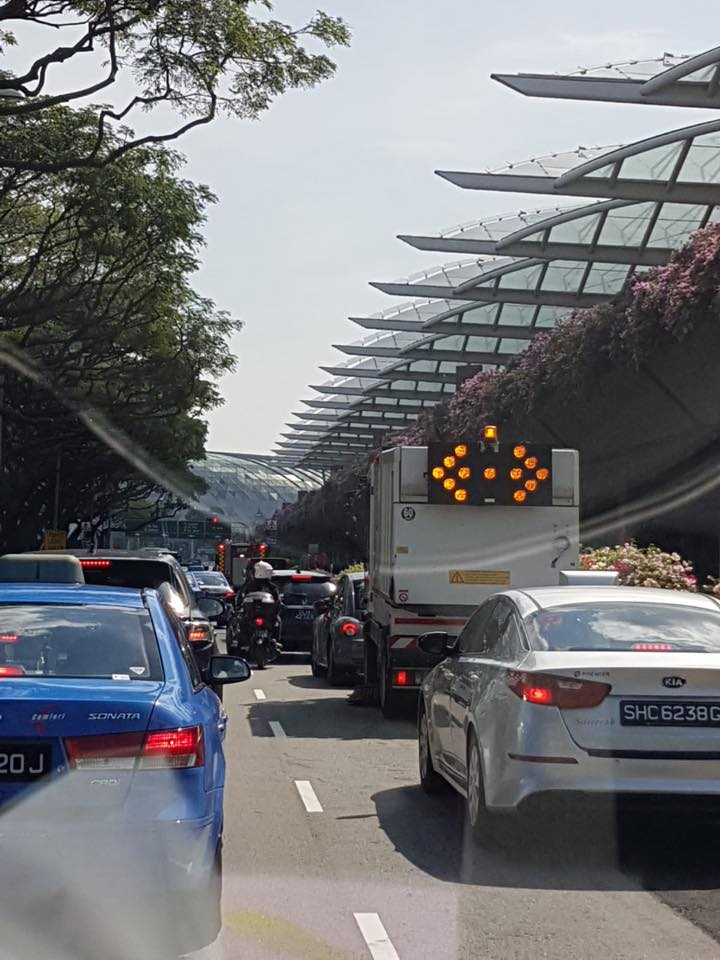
(308, 796)
(259, 694)
(375, 936)
(277, 728)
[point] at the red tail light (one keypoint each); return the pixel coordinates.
(549, 690)
(653, 647)
(349, 629)
(116, 751)
(97, 564)
(230, 595)
(259, 621)
(12, 672)
(175, 749)
(162, 749)
(301, 577)
(8, 638)
(401, 678)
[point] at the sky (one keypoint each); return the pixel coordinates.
(313, 194)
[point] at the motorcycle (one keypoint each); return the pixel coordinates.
(252, 629)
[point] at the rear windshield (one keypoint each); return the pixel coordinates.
(626, 626)
(78, 641)
(210, 579)
(299, 593)
(127, 573)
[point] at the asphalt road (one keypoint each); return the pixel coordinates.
(332, 851)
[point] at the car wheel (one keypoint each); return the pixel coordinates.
(389, 698)
(484, 826)
(430, 779)
(317, 670)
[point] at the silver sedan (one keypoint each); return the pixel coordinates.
(591, 690)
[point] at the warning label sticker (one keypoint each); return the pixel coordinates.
(500, 578)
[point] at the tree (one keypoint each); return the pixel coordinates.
(197, 57)
(110, 356)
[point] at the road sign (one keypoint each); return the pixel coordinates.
(54, 540)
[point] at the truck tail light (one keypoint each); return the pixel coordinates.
(401, 678)
(549, 690)
(178, 749)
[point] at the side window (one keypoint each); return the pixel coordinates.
(185, 649)
(508, 639)
(472, 638)
(339, 601)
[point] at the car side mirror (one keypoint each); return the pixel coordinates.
(210, 607)
(226, 669)
(435, 644)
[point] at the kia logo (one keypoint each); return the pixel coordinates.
(673, 681)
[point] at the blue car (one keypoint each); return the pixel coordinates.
(111, 768)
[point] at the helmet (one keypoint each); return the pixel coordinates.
(262, 570)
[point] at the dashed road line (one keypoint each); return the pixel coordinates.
(308, 796)
(375, 936)
(259, 694)
(277, 728)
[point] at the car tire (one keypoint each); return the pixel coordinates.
(389, 698)
(485, 827)
(316, 669)
(430, 779)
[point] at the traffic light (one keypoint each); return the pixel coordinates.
(215, 521)
(490, 473)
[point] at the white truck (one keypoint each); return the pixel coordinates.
(431, 563)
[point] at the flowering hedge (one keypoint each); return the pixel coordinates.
(638, 567)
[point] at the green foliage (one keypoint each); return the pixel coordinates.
(111, 359)
(198, 57)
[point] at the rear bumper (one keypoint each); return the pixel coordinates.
(349, 652)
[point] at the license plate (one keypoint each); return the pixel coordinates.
(665, 713)
(22, 763)
(304, 615)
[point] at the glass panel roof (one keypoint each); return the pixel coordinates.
(702, 164)
(453, 274)
(631, 69)
(495, 228)
(554, 164)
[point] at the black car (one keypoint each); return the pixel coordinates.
(212, 583)
(299, 591)
(337, 644)
(153, 568)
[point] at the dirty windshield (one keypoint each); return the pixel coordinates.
(359, 480)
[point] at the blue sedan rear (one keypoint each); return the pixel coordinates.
(111, 762)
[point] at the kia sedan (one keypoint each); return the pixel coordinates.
(574, 690)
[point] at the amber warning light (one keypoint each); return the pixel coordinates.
(488, 473)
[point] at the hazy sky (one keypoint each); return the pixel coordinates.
(313, 194)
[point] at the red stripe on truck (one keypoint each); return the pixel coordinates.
(403, 643)
(434, 621)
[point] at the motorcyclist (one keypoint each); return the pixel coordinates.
(259, 580)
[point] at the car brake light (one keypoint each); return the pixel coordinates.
(230, 595)
(178, 749)
(301, 577)
(259, 621)
(116, 751)
(96, 563)
(401, 678)
(12, 672)
(197, 634)
(653, 647)
(174, 749)
(8, 638)
(546, 689)
(349, 629)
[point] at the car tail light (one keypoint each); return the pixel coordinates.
(349, 629)
(653, 647)
(11, 672)
(96, 564)
(116, 751)
(259, 621)
(197, 634)
(301, 577)
(178, 749)
(8, 638)
(230, 595)
(547, 689)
